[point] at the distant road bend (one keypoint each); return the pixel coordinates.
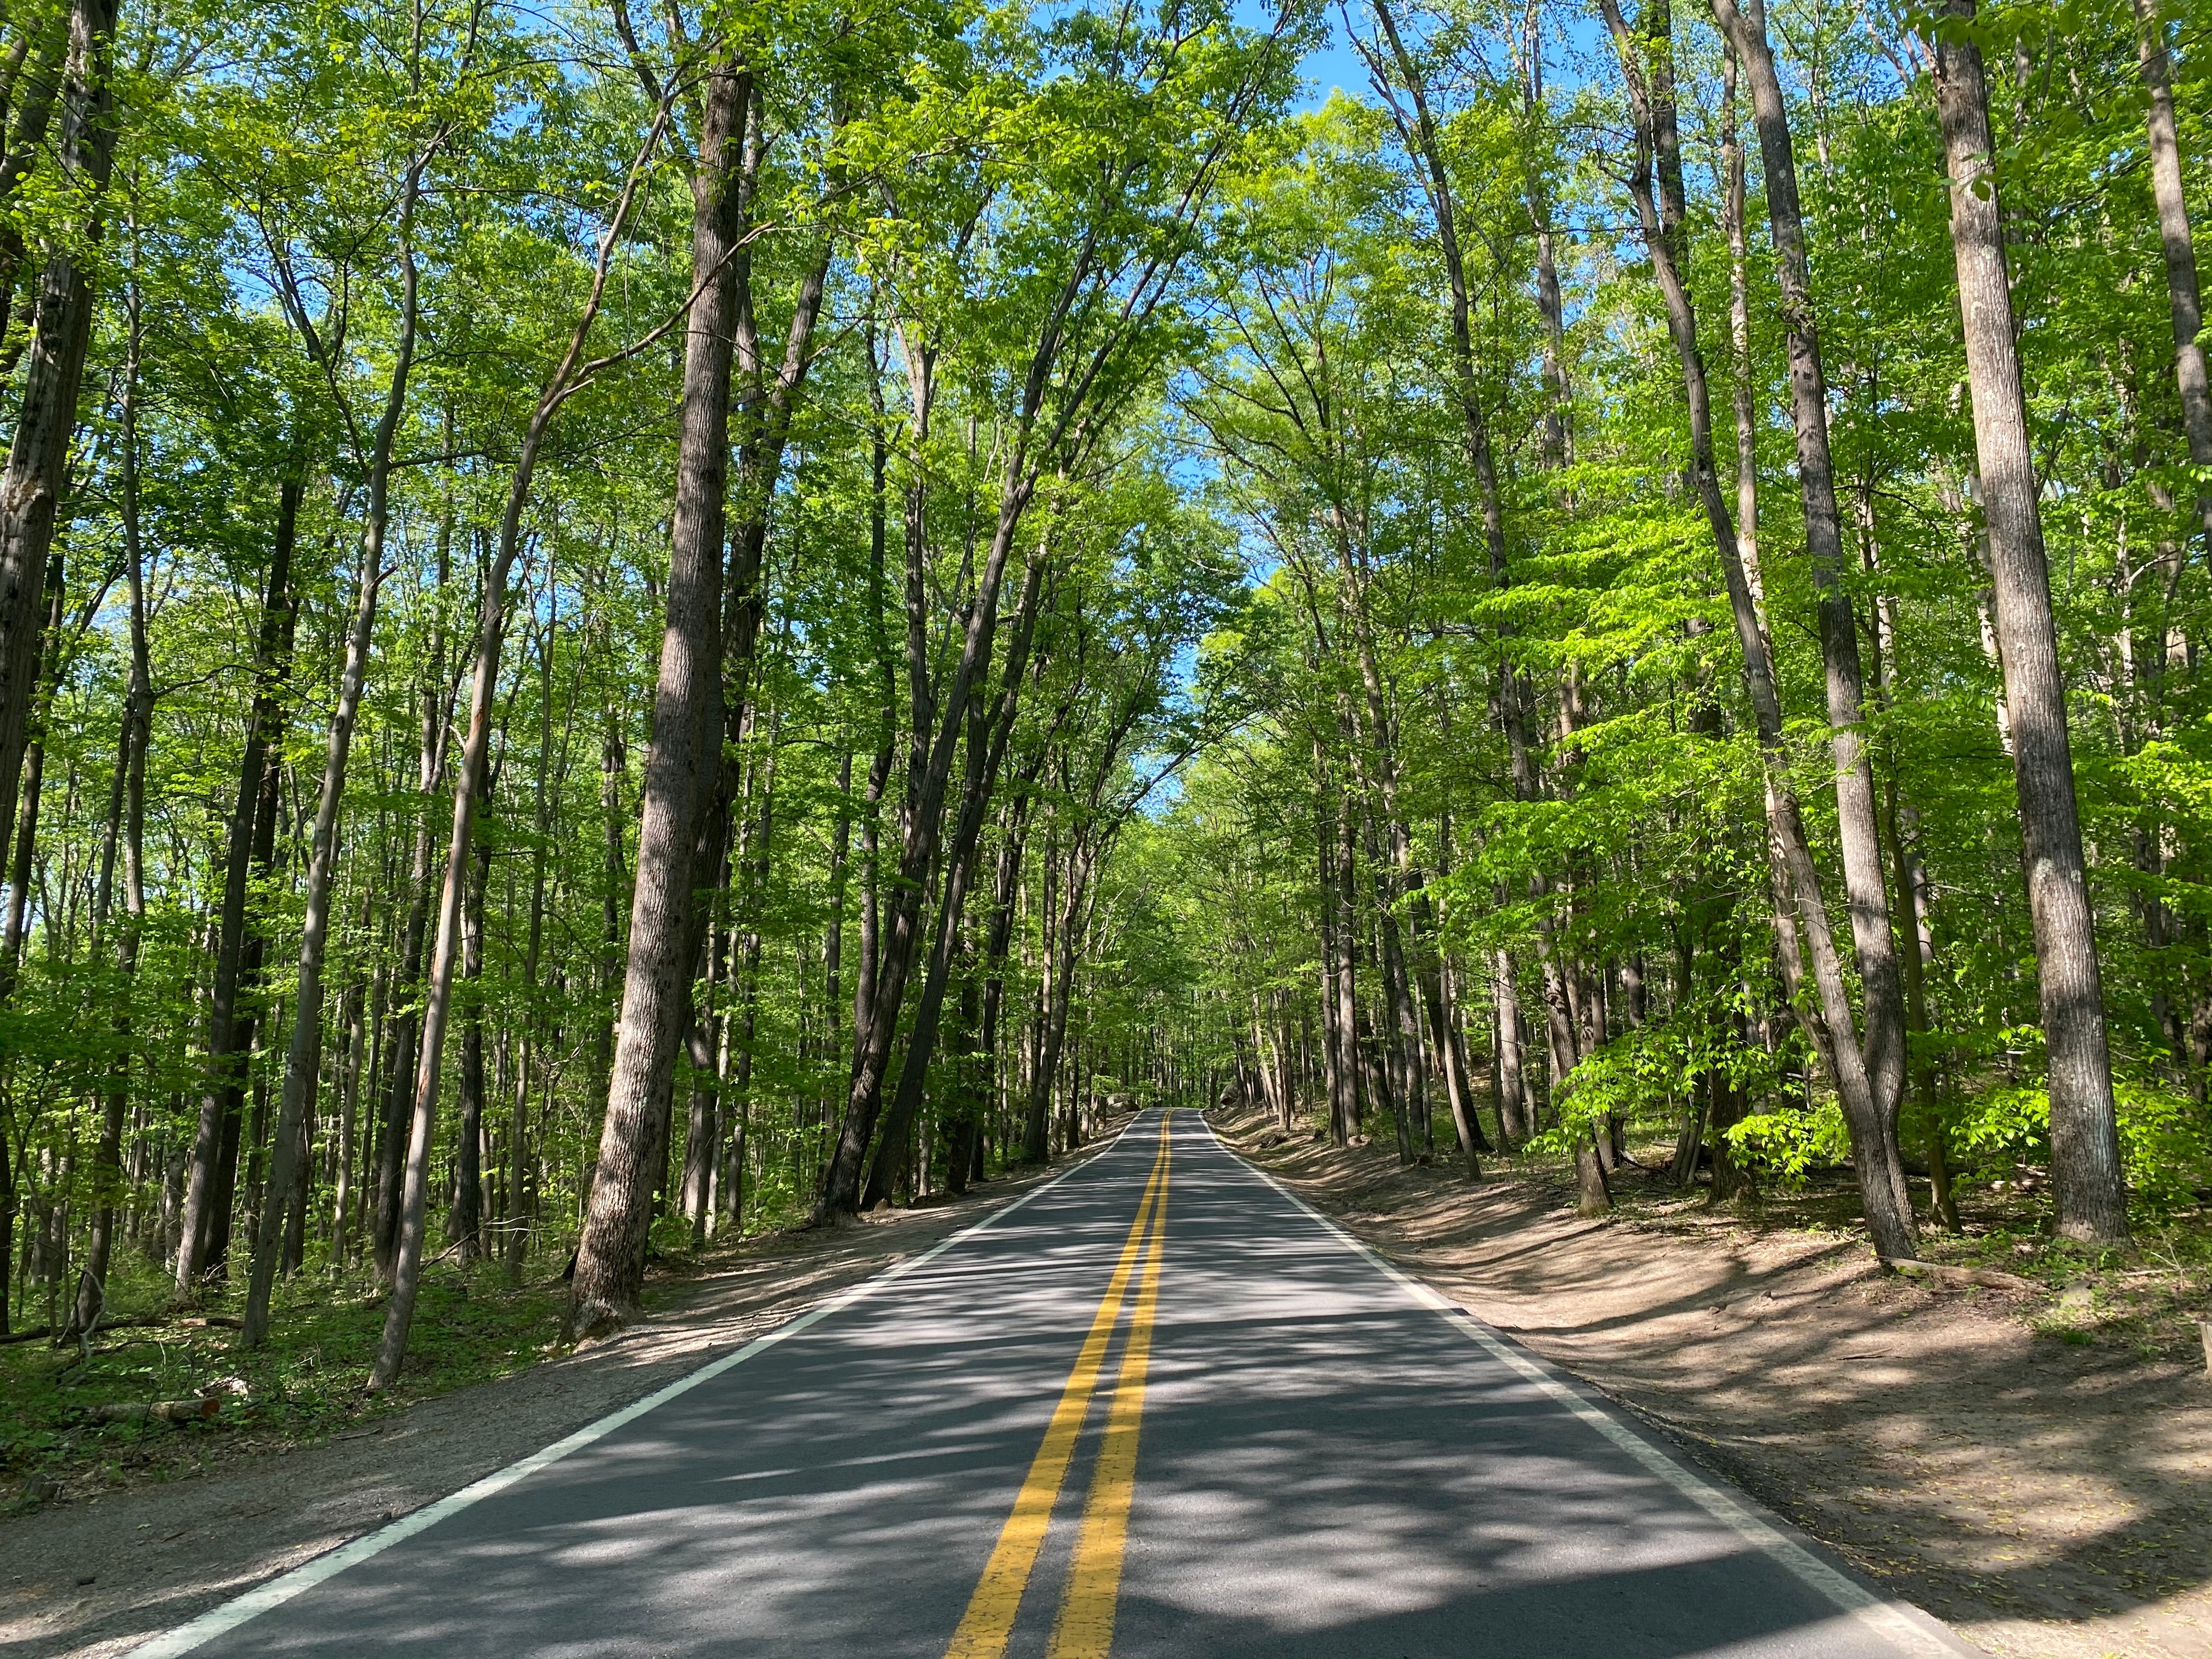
(1155, 1408)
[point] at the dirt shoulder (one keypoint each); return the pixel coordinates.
(89, 1577)
(2048, 1500)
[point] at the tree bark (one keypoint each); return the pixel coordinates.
(474, 780)
(471, 782)
(1513, 1124)
(25, 843)
(303, 1057)
(467, 1221)
(2085, 1150)
(1341, 895)
(1733, 211)
(206, 1224)
(1340, 1064)
(1832, 1028)
(1066, 947)
(2183, 297)
(407, 1018)
(1859, 832)
(345, 1176)
(130, 788)
(925, 816)
(37, 470)
(989, 731)
(40, 76)
(682, 762)
(515, 1213)
(1012, 842)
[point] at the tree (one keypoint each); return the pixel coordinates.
(2085, 1148)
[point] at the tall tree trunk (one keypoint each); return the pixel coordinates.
(1858, 831)
(870, 908)
(764, 404)
(614, 902)
(8, 1208)
(1513, 1124)
(833, 936)
(467, 1222)
(238, 1136)
(925, 793)
(407, 1017)
(345, 1176)
(1341, 1066)
(989, 730)
(739, 1067)
(1734, 208)
(1007, 891)
(2085, 1148)
(685, 757)
(39, 73)
(473, 781)
(736, 1072)
(702, 1127)
(303, 1057)
(515, 1212)
(1343, 897)
(1459, 1081)
(1065, 947)
(964, 1135)
(25, 844)
(130, 788)
(2182, 295)
(1830, 1026)
(1036, 1142)
(1409, 1075)
(38, 456)
(209, 1186)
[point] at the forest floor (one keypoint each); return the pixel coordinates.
(2032, 1466)
(114, 1533)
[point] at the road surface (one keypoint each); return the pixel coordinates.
(1157, 1406)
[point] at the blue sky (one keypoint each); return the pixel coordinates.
(1335, 65)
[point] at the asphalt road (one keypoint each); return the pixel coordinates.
(1157, 1407)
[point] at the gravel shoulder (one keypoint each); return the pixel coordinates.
(90, 1579)
(2047, 1500)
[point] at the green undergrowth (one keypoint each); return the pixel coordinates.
(307, 1382)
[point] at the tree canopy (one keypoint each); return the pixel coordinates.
(620, 628)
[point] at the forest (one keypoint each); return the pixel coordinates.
(627, 629)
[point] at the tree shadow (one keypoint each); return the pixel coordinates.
(1327, 1468)
(1987, 1471)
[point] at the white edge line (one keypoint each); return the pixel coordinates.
(229, 1615)
(1898, 1621)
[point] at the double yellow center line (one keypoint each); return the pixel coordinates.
(1084, 1629)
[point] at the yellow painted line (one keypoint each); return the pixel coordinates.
(1086, 1630)
(990, 1620)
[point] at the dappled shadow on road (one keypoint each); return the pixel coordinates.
(1333, 1470)
(2051, 1499)
(836, 1490)
(1327, 1469)
(161, 1554)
